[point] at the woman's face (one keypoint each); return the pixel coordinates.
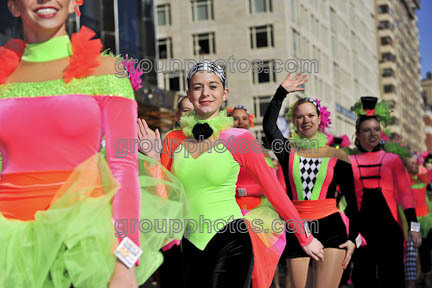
(185, 107)
(241, 119)
(206, 93)
(306, 120)
(42, 15)
(412, 165)
(369, 134)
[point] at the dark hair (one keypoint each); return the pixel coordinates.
(363, 118)
(179, 102)
(240, 107)
(302, 101)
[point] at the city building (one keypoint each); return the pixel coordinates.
(427, 97)
(259, 41)
(399, 64)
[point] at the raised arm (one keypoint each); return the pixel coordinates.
(271, 115)
(272, 132)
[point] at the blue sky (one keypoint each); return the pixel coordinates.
(425, 29)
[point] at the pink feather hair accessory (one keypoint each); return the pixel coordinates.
(134, 73)
(325, 116)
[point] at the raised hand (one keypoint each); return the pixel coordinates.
(292, 85)
(152, 137)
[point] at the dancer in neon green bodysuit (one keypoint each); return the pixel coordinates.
(209, 174)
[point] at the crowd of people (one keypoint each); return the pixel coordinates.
(345, 215)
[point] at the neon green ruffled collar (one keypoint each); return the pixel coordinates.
(53, 49)
(306, 142)
(218, 123)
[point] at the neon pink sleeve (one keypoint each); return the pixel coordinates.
(119, 117)
(404, 194)
(281, 177)
(429, 176)
(254, 161)
(247, 182)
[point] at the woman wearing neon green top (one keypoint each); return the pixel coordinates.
(206, 155)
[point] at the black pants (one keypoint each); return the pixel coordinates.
(380, 263)
(171, 269)
(227, 260)
(425, 253)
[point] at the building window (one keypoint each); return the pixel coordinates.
(336, 73)
(165, 48)
(293, 10)
(163, 15)
(204, 43)
(174, 81)
(260, 106)
(202, 10)
(385, 9)
(334, 46)
(263, 72)
(386, 40)
(332, 19)
(388, 57)
(387, 72)
(385, 25)
(260, 6)
(261, 36)
(391, 104)
(389, 89)
(295, 36)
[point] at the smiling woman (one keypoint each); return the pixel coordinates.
(222, 257)
(382, 184)
(42, 21)
(313, 177)
(58, 197)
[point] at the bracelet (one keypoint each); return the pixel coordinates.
(358, 241)
(415, 227)
(128, 252)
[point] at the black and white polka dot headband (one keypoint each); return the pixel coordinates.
(207, 65)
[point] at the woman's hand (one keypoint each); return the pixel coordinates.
(150, 137)
(292, 85)
(315, 250)
(416, 238)
(350, 246)
(123, 277)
